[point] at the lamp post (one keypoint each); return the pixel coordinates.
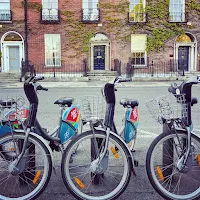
(26, 31)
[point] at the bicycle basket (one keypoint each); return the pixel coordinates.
(13, 108)
(92, 108)
(168, 107)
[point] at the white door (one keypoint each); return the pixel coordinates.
(14, 59)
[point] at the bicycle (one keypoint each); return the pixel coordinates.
(26, 157)
(102, 165)
(173, 158)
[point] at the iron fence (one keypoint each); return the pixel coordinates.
(65, 70)
(152, 69)
(160, 69)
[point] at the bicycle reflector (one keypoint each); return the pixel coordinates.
(79, 182)
(160, 174)
(198, 159)
(37, 176)
(114, 152)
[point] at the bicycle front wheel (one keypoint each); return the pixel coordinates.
(34, 171)
(162, 165)
(78, 171)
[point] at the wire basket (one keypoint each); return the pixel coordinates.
(13, 108)
(92, 108)
(168, 107)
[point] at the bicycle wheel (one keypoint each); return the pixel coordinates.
(35, 174)
(78, 169)
(176, 183)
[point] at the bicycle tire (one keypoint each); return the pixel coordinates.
(74, 189)
(32, 188)
(166, 185)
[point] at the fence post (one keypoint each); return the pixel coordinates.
(152, 70)
(117, 66)
(85, 67)
(183, 69)
(54, 64)
(129, 70)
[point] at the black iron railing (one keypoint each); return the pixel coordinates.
(178, 17)
(90, 15)
(5, 15)
(50, 16)
(136, 17)
(160, 69)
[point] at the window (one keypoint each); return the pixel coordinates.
(52, 50)
(90, 10)
(138, 49)
(177, 11)
(50, 10)
(5, 14)
(137, 11)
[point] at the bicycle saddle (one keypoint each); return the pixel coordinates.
(7, 103)
(64, 101)
(129, 102)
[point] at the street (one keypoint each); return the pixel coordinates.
(139, 186)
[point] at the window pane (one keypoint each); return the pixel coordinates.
(5, 5)
(49, 4)
(138, 58)
(176, 9)
(52, 49)
(136, 10)
(90, 10)
(138, 42)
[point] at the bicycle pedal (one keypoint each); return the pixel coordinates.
(136, 163)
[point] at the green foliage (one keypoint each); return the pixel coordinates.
(114, 20)
(192, 5)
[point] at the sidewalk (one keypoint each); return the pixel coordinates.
(88, 84)
(137, 82)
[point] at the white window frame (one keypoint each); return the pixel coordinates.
(139, 50)
(90, 10)
(49, 44)
(5, 14)
(172, 10)
(49, 10)
(134, 3)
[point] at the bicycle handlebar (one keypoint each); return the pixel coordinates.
(185, 86)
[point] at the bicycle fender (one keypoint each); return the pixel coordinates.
(129, 151)
(43, 141)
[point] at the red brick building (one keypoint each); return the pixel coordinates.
(62, 33)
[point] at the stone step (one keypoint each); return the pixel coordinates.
(102, 73)
(9, 77)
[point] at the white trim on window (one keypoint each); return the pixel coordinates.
(177, 11)
(52, 44)
(135, 13)
(90, 10)
(138, 45)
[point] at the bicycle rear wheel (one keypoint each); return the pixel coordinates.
(33, 179)
(78, 170)
(176, 183)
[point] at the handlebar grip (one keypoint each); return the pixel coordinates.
(39, 87)
(170, 89)
(45, 89)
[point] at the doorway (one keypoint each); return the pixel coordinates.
(99, 57)
(14, 62)
(183, 58)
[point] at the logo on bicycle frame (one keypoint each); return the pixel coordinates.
(134, 115)
(73, 115)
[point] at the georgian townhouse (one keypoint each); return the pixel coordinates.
(63, 33)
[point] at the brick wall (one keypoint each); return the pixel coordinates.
(120, 49)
